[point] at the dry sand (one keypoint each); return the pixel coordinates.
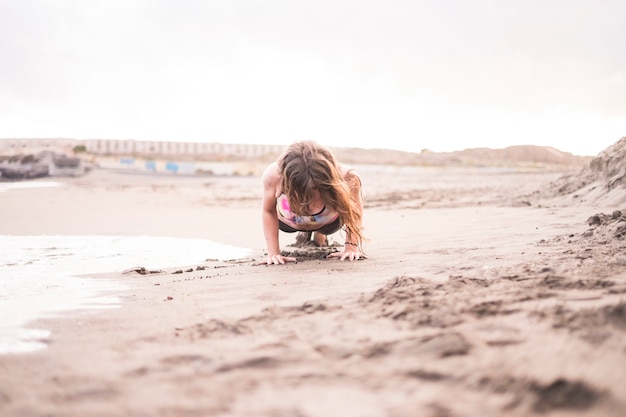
(487, 292)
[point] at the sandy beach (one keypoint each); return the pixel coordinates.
(486, 292)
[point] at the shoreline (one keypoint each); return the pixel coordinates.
(40, 271)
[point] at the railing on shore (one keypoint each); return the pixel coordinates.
(151, 149)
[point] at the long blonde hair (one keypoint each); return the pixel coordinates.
(306, 167)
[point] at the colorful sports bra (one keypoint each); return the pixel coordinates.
(312, 222)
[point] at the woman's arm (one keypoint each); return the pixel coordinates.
(353, 244)
(269, 217)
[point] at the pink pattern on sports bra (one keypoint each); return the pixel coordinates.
(320, 219)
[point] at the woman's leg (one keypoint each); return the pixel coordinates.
(320, 239)
(303, 237)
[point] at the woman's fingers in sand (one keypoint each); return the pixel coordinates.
(349, 255)
(277, 260)
(281, 260)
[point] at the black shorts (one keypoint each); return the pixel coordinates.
(327, 229)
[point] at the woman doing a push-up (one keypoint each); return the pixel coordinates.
(307, 191)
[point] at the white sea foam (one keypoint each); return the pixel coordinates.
(38, 276)
(7, 186)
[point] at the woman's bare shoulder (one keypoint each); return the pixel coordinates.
(271, 175)
(347, 170)
(350, 176)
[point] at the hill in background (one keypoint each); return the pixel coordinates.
(512, 156)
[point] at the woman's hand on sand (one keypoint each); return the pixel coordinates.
(352, 255)
(277, 260)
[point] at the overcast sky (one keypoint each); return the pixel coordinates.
(402, 74)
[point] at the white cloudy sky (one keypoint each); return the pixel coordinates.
(402, 74)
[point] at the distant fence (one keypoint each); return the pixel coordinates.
(135, 147)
